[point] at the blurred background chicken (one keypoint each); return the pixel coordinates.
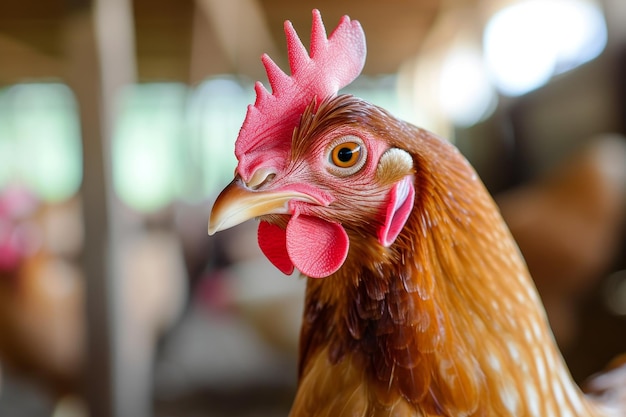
(569, 225)
(42, 291)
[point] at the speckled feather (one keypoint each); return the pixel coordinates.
(446, 321)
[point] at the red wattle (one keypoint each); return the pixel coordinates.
(316, 247)
(273, 242)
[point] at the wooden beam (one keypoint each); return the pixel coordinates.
(241, 28)
(84, 78)
(21, 62)
(207, 56)
(101, 63)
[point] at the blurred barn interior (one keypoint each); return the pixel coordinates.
(117, 125)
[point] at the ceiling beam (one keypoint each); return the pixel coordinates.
(22, 62)
(241, 29)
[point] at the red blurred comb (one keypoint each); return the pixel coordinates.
(333, 63)
(17, 240)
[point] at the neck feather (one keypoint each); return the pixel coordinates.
(448, 317)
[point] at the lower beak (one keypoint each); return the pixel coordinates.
(238, 203)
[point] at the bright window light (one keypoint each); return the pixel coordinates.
(216, 111)
(527, 43)
(40, 146)
(148, 160)
(465, 92)
(7, 148)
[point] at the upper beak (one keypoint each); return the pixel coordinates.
(238, 203)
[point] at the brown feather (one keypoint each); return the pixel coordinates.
(446, 321)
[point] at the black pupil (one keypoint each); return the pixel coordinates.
(345, 154)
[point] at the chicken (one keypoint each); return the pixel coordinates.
(42, 293)
(418, 302)
(568, 224)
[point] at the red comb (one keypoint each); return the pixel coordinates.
(333, 63)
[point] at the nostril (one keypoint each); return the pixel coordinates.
(260, 178)
(267, 180)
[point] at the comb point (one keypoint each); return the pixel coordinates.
(318, 34)
(296, 52)
(277, 78)
(261, 94)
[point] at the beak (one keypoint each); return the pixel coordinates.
(238, 203)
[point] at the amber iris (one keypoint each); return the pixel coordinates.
(346, 155)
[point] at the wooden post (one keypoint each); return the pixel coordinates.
(101, 63)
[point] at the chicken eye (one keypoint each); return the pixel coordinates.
(346, 155)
